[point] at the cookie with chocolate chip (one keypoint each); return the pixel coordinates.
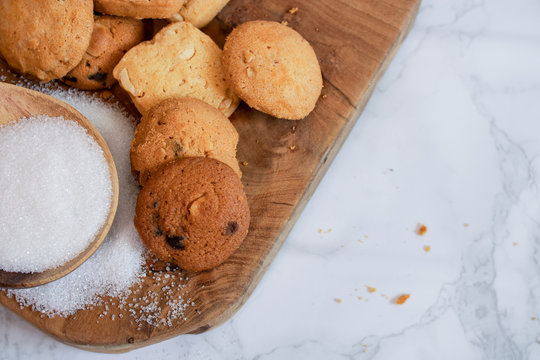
(111, 38)
(193, 212)
(182, 127)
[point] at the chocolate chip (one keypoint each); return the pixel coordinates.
(69, 78)
(155, 204)
(87, 63)
(231, 228)
(178, 149)
(176, 242)
(130, 340)
(99, 76)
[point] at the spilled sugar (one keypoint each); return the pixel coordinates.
(55, 191)
(112, 277)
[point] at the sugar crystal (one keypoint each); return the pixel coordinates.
(55, 191)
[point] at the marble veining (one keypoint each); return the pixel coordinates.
(450, 139)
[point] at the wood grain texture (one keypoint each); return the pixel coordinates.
(17, 102)
(355, 41)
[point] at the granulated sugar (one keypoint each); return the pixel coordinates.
(117, 267)
(55, 191)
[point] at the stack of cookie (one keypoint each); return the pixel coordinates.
(50, 39)
(192, 208)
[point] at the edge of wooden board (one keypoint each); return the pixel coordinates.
(309, 190)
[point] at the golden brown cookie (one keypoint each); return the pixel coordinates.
(273, 69)
(199, 12)
(182, 127)
(179, 61)
(193, 213)
(112, 37)
(139, 9)
(45, 38)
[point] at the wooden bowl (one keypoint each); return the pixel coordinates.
(17, 102)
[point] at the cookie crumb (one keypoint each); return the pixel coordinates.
(402, 299)
(422, 229)
(244, 163)
(106, 94)
(292, 147)
(285, 22)
(338, 300)
(533, 318)
(293, 10)
(427, 248)
(466, 225)
(371, 289)
(515, 243)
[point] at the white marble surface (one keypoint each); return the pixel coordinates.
(450, 137)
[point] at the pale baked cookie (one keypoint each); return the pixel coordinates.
(193, 212)
(273, 69)
(199, 12)
(111, 38)
(45, 38)
(179, 61)
(140, 9)
(182, 127)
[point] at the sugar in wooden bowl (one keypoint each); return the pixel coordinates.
(55, 191)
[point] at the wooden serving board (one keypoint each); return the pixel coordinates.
(355, 40)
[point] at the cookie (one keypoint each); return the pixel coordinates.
(193, 213)
(112, 37)
(45, 38)
(181, 127)
(199, 12)
(140, 9)
(273, 69)
(179, 61)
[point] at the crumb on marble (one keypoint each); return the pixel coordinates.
(533, 318)
(421, 230)
(466, 225)
(338, 300)
(427, 248)
(401, 300)
(360, 297)
(515, 243)
(371, 289)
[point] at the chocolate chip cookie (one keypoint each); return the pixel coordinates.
(111, 38)
(193, 212)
